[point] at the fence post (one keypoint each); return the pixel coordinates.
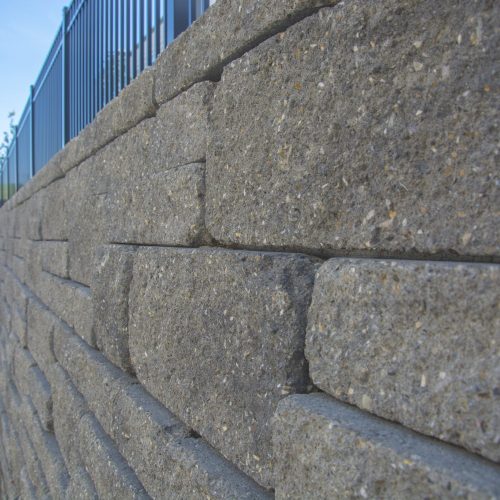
(64, 65)
(32, 131)
(17, 157)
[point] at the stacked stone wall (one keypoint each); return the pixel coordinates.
(269, 267)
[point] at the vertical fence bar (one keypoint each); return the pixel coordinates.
(32, 131)
(157, 29)
(149, 24)
(17, 156)
(122, 44)
(134, 39)
(128, 22)
(141, 35)
(64, 81)
(116, 50)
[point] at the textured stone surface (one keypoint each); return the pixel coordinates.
(225, 31)
(55, 211)
(415, 342)
(371, 126)
(325, 449)
(31, 382)
(110, 474)
(217, 336)
(166, 208)
(71, 302)
(41, 324)
(172, 463)
(110, 289)
(55, 257)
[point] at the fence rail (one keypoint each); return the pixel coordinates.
(99, 48)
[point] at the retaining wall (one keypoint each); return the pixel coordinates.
(268, 268)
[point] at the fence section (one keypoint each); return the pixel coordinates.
(99, 48)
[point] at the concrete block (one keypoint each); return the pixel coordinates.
(57, 198)
(81, 486)
(41, 324)
(365, 128)
(28, 218)
(71, 302)
(27, 488)
(415, 342)
(47, 450)
(86, 218)
(226, 324)
(31, 383)
(227, 30)
(69, 407)
(326, 449)
(33, 467)
(55, 257)
(19, 325)
(110, 289)
(167, 460)
(110, 473)
(166, 208)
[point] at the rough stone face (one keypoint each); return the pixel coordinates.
(325, 449)
(31, 382)
(165, 208)
(110, 289)
(41, 324)
(167, 460)
(71, 302)
(217, 336)
(415, 342)
(110, 474)
(55, 257)
(368, 127)
(55, 211)
(224, 32)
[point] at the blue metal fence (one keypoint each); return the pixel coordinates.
(100, 47)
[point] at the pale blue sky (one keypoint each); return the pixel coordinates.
(27, 30)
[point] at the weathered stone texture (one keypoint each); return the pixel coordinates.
(371, 126)
(325, 449)
(165, 208)
(227, 30)
(217, 336)
(415, 342)
(55, 257)
(166, 459)
(110, 289)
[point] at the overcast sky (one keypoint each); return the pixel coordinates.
(27, 30)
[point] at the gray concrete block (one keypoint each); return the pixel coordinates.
(33, 385)
(47, 450)
(28, 491)
(81, 486)
(28, 218)
(86, 218)
(369, 127)
(41, 324)
(55, 257)
(217, 336)
(33, 467)
(166, 459)
(227, 30)
(325, 449)
(110, 289)
(110, 473)
(71, 302)
(19, 325)
(56, 199)
(166, 208)
(415, 342)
